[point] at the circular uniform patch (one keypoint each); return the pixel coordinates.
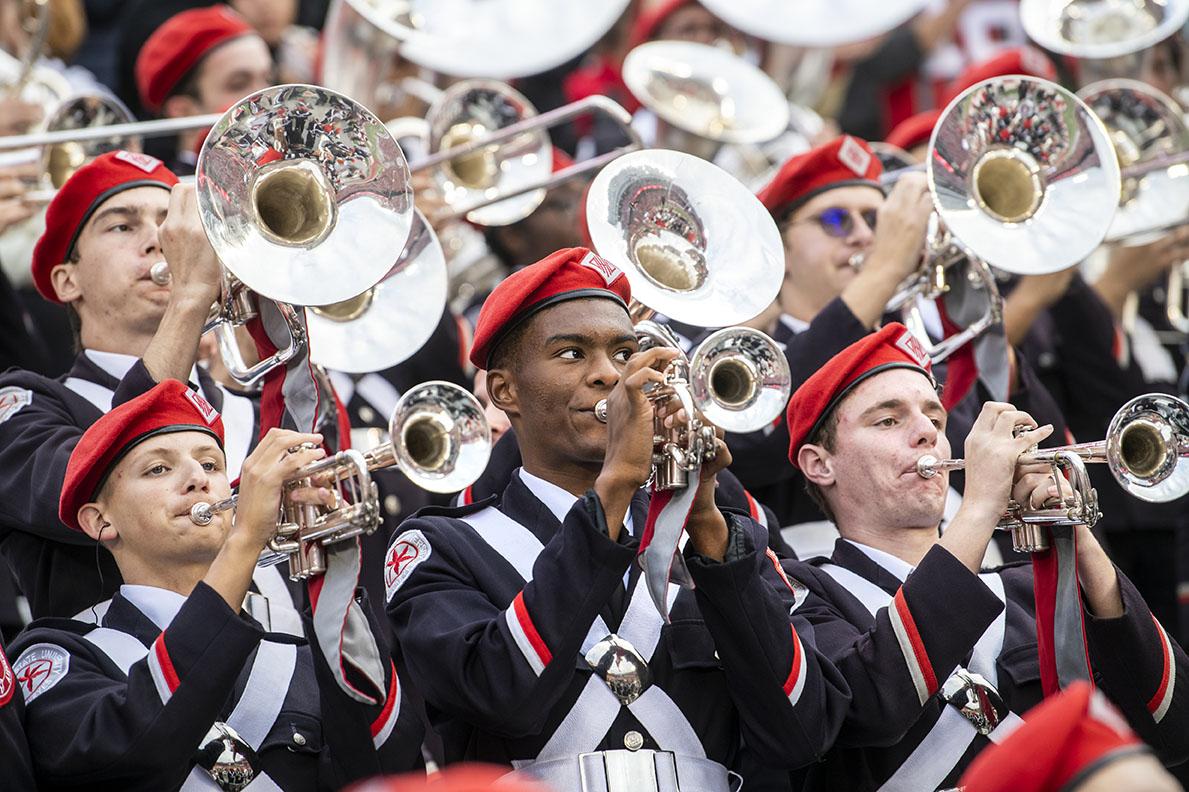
(7, 680)
(410, 550)
(39, 668)
(12, 400)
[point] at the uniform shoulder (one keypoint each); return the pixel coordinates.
(456, 512)
(67, 633)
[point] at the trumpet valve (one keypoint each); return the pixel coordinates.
(1029, 538)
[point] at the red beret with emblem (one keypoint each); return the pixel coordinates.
(169, 406)
(648, 22)
(843, 161)
(1027, 61)
(914, 130)
(892, 347)
(178, 45)
(91, 185)
(1061, 743)
(568, 274)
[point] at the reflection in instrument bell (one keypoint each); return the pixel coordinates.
(1146, 449)
(441, 442)
(1101, 29)
(387, 323)
(694, 243)
(815, 23)
(367, 43)
(705, 95)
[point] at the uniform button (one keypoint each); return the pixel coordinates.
(633, 741)
(367, 414)
(392, 505)
(299, 738)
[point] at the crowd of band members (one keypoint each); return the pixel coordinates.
(806, 657)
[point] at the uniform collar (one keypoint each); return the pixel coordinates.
(888, 562)
(793, 323)
(557, 500)
(160, 605)
(108, 368)
(113, 363)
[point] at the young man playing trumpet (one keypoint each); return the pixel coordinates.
(526, 626)
(176, 688)
(938, 656)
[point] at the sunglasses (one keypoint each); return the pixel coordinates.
(840, 223)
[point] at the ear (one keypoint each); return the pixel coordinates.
(178, 106)
(64, 278)
(501, 390)
(95, 524)
(817, 464)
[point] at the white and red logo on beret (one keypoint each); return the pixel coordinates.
(208, 412)
(854, 156)
(914, 349)
(609, 271)
(143, 161)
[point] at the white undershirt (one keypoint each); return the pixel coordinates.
(160, 605)
(900, 568)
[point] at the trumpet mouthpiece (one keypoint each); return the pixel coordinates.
(201, 514)
(600, 410)
(160, 274)
(927, 466)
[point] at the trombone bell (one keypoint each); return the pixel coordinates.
(292, 201)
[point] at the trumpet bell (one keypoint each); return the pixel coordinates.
(386, 324)
(304, 195)
(706, 91)
(1144, 125)
(60, 161)
(1101, 29)
(1023, 175)
(740, 379)
(440, 437)
(471, 110)
(815, 23)
(1147, 447)
(695, 244)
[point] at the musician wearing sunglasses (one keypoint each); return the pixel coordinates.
(175, 687)
(526, 623)
(938, 656)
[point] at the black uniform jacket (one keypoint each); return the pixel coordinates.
(16, 767)
(500, 661)
(93, 726)
(57, 568)
(940, 612)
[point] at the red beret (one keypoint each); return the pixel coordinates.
(176, 47)
(647, 22)
(169, 407)
(891, 347)
(568, 274)
(914, 130)
(1062, 741)
(91, 185)
(1028, 61)
(843, 161)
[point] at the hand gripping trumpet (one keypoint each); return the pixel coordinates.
(440, 440)
(1146, 449)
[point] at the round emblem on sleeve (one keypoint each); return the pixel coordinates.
(7, 680)
(408, 551)
(39, 668)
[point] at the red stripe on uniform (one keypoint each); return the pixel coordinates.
(753, 508)
(1155, 701)
(914, 637)
(530, 630)
(389, 702)
(795, 671)
(167, 669)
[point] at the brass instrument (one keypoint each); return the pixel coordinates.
(815, 23)
(1096, 30)
(441, 441)
(1146, 449)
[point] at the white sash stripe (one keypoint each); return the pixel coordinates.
(93, 392)
(120, 647)
(282, 614)
(264, 693)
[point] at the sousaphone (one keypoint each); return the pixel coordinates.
(815, 23)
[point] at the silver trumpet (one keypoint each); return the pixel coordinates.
(1146, 449)
(440, 440)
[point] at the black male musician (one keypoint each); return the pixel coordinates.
(105, 228)
(937, 655)
(175, 688)
(527, 627)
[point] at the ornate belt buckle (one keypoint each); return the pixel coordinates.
(227, 758)
(621, 667)
(976, 698)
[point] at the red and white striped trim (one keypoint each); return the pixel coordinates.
(1159, 703)
(912, 647)
(165, 677)
(383, 725)
(524, 632)
(756, 510)
(795, 684)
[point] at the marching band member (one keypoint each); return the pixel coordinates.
(525, 625)
(175, 687)
(938, 655)
(201, 60)
(18, 767)
(105, 228)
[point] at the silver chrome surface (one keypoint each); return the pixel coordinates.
(695, 244)
(706, 91)
(304, 194)
(440, 437)
(976, 698)
(1023, 174)
(1145, 126)
(621, 667)
(815, 23)
(390, 321)
(1099, 29)
(155, 128)
(227, 758)
(740, 379)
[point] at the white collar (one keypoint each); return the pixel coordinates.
(793, 323)
(898, 567)
(118, 364)
(159, 604)
(556, 499)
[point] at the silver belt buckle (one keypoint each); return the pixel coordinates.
(227, 758)
(621, 667)
(976, 698)
(628, 771)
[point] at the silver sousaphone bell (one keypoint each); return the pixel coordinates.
(1101, 29)
(815, 23)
